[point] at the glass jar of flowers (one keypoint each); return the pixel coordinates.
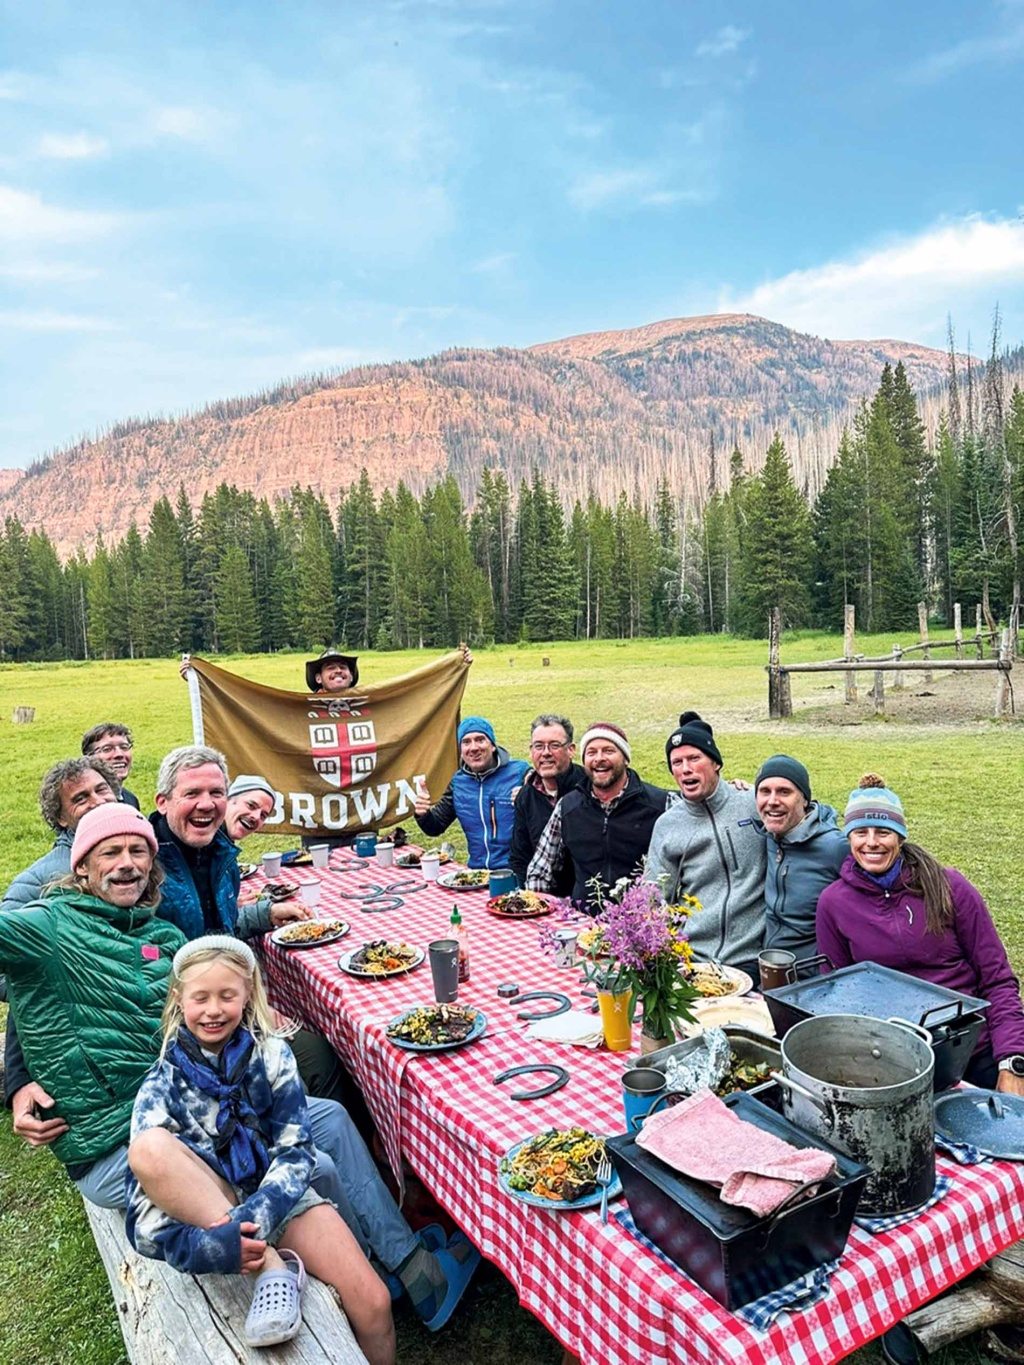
(637, 944)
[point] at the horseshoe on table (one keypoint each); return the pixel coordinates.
(376, 905)
(351, 865)
(367, 892)
(561, 1078)
(405, 888)
(564, 1004)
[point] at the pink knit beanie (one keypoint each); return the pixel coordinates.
(108, 821)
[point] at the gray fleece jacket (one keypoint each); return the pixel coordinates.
(711, 849)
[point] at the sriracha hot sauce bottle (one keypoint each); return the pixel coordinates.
(461, 935)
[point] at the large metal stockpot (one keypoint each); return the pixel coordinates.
(865, 1085)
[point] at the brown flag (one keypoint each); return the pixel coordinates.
(341, 761)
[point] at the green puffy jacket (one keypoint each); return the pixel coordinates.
(87, 985)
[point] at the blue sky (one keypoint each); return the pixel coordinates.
(200, 199)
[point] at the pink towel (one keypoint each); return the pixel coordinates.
(704, 1139)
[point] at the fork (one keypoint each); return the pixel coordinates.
(604, 1179)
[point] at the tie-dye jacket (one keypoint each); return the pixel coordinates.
(165, 1100)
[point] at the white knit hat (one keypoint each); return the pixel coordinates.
(220, 943)
(604, 729)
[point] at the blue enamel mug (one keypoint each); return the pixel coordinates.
(366, 845)
(643, 1091)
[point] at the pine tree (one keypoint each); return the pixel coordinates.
(163, 584)
(103, 636)
(314, 582)
(777, 548)
(236, 603)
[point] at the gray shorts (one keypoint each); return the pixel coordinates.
(309, 1199)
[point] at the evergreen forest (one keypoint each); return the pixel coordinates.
(898, 520)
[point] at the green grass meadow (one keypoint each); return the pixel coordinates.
(960, 775)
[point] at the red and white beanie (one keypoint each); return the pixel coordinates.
(604, 729)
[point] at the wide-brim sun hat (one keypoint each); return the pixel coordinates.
(313, 666)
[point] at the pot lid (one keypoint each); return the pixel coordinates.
(986, 1119)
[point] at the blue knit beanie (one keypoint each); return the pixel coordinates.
(873, 804)
(476, 725)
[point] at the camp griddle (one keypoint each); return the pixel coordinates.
(734, 1255)
(953, 1019)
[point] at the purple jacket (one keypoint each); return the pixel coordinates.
(859, 922)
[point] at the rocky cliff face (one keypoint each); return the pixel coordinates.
(602, 412)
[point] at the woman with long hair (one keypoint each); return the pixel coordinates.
(894, 904)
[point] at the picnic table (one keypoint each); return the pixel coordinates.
(605, 1295)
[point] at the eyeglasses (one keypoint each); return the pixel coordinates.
(123, 748)
(548, 745)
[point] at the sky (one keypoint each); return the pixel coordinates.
(199, 200)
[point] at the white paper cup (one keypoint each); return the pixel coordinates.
(271, 865)
(310, 893)
(320, 854)
(565, 952)
(384, 853)
(430, 866)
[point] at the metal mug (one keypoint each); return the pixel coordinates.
(565, 947)
(776, 967)
(643, 1091)
(501, 880)
(366, 845)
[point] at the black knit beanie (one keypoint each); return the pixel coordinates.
(695, 732)
(789, 769)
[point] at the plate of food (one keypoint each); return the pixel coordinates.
(280, 891)
(730, 1009)
(309, 933)
(408, 857)
(466, 879)
(247, 870)
(436, 1028)
(381, 958)
(519, 905)
(712, 980)
(556, 1169)
(297, 857)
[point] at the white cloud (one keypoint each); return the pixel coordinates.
(629, 187)
(998, 48)
(497, 264)
(191, 125)
(725, 41)
(25, 320)
(46, 272)
(25, 217)
(904, 288)
(71, 146)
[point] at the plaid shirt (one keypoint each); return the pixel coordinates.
(547, 861)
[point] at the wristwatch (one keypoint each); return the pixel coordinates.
(1014, 1064)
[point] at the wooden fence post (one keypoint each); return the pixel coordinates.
(780, 702)
(958, 630)
(897, 677)
(878, 692)
(922, 621)
(1003, 683)
(978, 636)
(23, 715)
(849, 615)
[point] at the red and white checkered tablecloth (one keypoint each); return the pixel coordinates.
(605, 1296)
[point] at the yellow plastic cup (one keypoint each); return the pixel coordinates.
(618, 1035)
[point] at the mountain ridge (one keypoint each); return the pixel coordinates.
(597, 412)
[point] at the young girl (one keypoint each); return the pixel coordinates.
(221, 1156)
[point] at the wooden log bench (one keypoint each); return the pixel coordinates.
(198, 1319)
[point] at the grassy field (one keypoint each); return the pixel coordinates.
(960, 774)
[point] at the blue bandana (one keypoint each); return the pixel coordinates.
(239, 1145)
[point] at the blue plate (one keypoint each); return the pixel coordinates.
(474, 1033)
(537, 1201)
